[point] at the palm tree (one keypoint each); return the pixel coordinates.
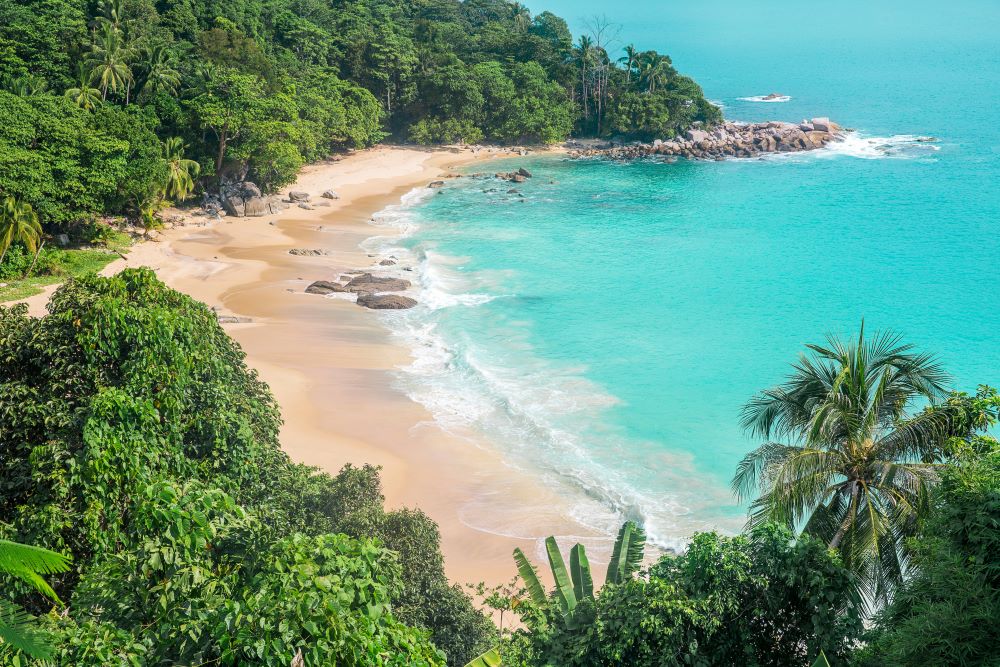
(26, 85)
(521, 16)
(654, 69)
(584, 54)
(18, 222)
(83, 95)
(631, 61)
(108, 61)
(28, 564)
(845, 460)
(182, 172)
(158, 67)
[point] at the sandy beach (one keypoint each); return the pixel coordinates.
(330, 362)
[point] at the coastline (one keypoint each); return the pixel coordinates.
(330, 362)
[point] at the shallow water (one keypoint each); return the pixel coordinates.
(605, 329)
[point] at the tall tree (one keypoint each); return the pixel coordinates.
(109, 55)
(158, 70)
(843, 459)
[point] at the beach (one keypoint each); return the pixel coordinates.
(330, 362)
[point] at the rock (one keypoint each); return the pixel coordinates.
(250, 189)
(512, 191)
(436, 184)
(518, 178)
(324, 287)
(366, 282)
(235, 206)
(298, 196)
(258, 206)
(386, 301)
(62, 239)
(330, 194)
(822, 124)
(347, 278)
(305, 206)
(697, 135)
(524, 172)
(387, 262)
(233, 319)
(773, 96)
(308, 252)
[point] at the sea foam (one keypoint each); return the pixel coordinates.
(764, 98)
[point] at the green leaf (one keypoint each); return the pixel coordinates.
(564, 589)
(17, 628)
(530, 577)
(579, 566)
(821, 660)
(489, 659)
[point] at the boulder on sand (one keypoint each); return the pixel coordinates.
(366, 282)
(308, 252)
(386, 301)
(330, 194)
(436, 184)
(298, 196)
(324, 287)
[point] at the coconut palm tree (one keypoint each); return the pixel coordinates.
(158, 68)
(654, 69)
(521, 16)
(630, 60)
(18, 222)
(182, 172)
(108, 57)
(583, 54)
(28, 564)
(83, 95)
(842, 458)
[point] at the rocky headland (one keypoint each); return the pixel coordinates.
(729, 140)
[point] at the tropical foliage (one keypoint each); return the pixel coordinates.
(18, 633)
(135, 439)
(92, 92)
(844, 461)
(760, 599)
(946, 614)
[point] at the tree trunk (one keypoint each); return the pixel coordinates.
(223, 136)
(839, 537)
(35, 259)
(4, 253)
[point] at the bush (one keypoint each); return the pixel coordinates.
(136, 439)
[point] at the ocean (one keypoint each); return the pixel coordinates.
(603, 330)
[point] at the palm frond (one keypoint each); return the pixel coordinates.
(19, 631)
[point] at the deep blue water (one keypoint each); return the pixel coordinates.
(605, 330)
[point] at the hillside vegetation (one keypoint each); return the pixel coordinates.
(118, 106)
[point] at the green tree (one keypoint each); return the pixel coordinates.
(83, 94)
(945, 614)
(109, 58)
(181, 171)
(18, 223)
(851, 474)
(158, 71)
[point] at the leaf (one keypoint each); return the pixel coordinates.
(17, 628)
(564, 589)
(626, 558)
(821, 660)
(489, 659)
(579, 567)
(530, 577)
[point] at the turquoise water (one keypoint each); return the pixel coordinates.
(604, 330)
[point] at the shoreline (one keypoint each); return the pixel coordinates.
(330, 362)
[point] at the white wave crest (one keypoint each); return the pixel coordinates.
(899, 146)
(772, 98)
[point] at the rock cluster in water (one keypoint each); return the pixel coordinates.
(370, 290)
(730, 140)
